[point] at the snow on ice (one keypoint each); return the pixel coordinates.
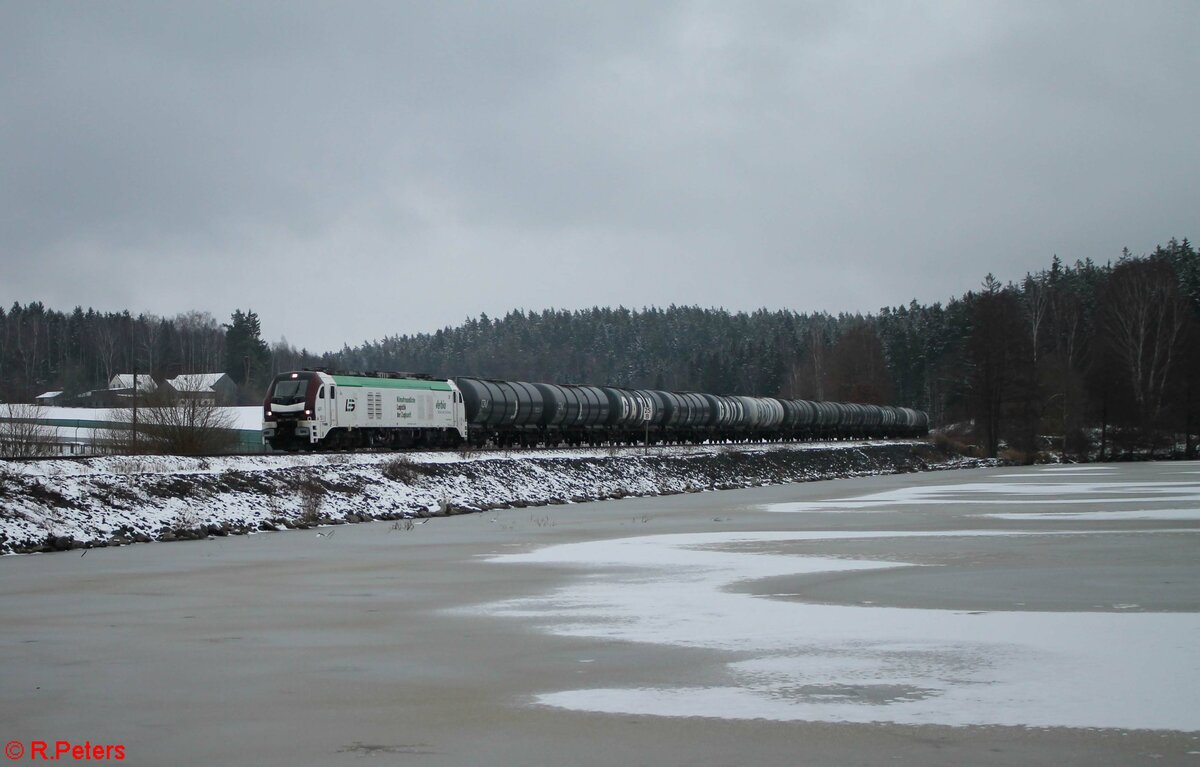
(863, 663)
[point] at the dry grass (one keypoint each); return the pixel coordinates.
(403, 469)
(311, 495)
(1017, 457)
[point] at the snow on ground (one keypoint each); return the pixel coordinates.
(88, 431)
(248, 418)
(152, 464)
(121, 498)
(840, 663)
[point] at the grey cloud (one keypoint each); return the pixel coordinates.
(408, 164)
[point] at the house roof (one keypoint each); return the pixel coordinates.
(125, 381)
(48, 395)
(196, 381)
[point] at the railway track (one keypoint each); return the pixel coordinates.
(535, 449)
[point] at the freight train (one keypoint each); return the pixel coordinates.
(316, 409)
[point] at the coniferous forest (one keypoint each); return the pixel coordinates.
(1084, 358)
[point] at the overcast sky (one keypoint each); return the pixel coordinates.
(351, 170)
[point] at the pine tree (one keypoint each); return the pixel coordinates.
(247, 356)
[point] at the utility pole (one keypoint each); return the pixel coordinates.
(135, 389)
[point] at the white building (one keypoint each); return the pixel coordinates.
(48, 398)
(209, 388)
(145, 384)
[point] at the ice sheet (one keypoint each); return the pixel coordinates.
(859, 664)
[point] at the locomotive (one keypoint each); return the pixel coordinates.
(316, 409)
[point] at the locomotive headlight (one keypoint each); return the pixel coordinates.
(308, 412)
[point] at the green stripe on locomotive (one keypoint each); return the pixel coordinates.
(391, 383)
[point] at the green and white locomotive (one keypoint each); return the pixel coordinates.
(307, 409)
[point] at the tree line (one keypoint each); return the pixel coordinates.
(75, 352)
(1102, 357)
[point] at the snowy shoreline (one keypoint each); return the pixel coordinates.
(115, 500)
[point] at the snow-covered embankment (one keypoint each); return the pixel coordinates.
(63, 504)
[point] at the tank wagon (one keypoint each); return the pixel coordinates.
(306, 410)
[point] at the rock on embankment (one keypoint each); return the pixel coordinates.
(59, 505)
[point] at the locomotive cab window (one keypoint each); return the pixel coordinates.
(289, 392)
(321, 393)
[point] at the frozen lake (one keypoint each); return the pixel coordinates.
(1009, 616)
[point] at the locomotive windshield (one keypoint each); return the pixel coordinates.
(289, 391)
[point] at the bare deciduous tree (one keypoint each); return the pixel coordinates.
(817, 350)
(857, 370)
(1037, 303)
(21, 433)
(1144, 318)
(148, 331)
(178, 423)
(995, 361)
